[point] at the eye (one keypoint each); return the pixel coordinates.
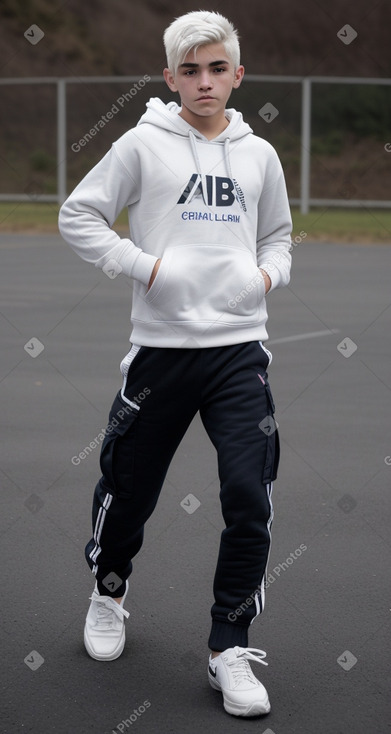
(219, 68)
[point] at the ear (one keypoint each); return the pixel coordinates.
(238, 76)
(169, 79)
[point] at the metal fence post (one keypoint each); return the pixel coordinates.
(61, 142)
(305, 146)
(304, 200)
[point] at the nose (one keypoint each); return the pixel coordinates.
(205, 81)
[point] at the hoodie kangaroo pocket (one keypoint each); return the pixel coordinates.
(206, 282)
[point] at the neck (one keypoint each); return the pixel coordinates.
(211, 126)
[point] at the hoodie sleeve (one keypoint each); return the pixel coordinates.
(274, 226)
(86, 218)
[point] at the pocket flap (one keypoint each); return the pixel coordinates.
(121, 416)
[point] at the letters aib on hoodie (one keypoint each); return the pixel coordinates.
(214, 211)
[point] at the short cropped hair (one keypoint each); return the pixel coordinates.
(199, 28)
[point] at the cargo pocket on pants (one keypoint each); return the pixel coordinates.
(118, 448)
(269, 427)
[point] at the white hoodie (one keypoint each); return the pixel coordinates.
(214, 211)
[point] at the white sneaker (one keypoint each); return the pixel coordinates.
(104, 631)
(231, 674)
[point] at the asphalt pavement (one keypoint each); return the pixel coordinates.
(325, 628)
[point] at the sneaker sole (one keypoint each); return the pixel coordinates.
(109, 656)
(258, 708)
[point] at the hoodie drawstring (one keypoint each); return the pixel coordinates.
(227, 159)
(193, 145)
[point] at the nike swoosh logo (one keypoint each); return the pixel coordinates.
(212, 672)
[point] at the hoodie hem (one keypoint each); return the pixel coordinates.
(183, 337)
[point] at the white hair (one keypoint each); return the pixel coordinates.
(199, 28)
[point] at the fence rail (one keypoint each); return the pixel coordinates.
(305, 201)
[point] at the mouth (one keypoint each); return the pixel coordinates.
(205, 97)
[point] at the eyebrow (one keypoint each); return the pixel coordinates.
(212, 63)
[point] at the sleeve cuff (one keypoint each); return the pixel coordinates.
(142, 268)
(271, 271)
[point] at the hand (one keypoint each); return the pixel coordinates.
(154, 273)
(266, 277)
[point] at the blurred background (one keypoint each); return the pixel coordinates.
(350, 123)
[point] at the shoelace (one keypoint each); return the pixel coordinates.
(240, 667)
(106, 607)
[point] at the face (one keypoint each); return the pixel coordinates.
(205, 81)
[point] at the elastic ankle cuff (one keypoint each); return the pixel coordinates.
(104, 591)
(227, 634)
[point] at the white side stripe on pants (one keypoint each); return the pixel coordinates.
(260, 607)
(99, 526)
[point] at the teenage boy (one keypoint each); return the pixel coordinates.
(210, 225)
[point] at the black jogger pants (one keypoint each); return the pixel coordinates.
(162, 391)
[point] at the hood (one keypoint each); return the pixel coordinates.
(166, 116)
